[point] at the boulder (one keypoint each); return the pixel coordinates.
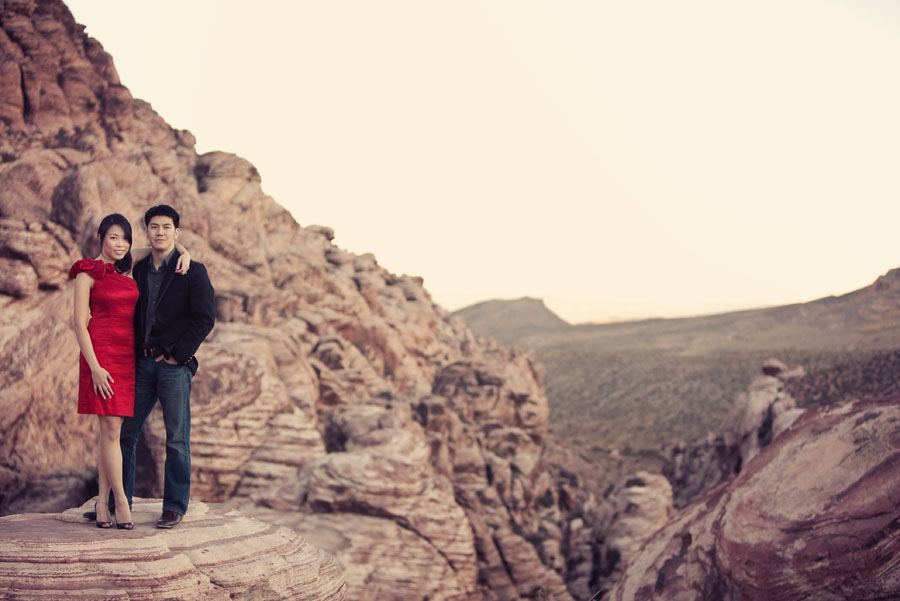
(814, 515)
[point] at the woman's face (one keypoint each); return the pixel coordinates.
(115, 246)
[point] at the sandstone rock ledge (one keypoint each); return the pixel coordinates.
(216, 554)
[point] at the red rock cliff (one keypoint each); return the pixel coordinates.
(331, 391)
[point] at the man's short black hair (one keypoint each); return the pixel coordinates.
(164, 210)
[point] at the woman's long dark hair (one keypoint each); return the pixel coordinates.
(123, 265)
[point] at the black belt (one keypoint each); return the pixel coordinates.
(152, 351)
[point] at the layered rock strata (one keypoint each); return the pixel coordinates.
(815, 515)
(216, 554)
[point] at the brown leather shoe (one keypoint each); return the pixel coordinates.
(169, 519)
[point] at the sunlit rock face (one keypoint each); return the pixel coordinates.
(814, 515)
(330, 389)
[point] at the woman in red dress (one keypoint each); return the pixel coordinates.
(105, 295)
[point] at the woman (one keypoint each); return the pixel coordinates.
(105, 295)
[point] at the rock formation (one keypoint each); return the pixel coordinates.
(757, 417)
(814, 515)
(221, 556)
(601, 541)
(331, 391)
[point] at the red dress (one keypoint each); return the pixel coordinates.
(111, 327)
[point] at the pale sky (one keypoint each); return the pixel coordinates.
(617, 159)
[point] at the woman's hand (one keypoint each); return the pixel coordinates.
(102, 380)
(184, 263)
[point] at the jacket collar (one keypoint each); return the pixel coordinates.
(170, 261)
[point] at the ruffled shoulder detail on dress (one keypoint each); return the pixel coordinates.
(93, 267)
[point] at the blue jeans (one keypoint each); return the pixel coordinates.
(171, 385)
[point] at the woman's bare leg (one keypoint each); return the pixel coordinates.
(102, 480)
(111, 454)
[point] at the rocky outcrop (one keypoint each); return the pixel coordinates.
(815, 515)
(462, 471)
(599, 542)
(390, 560)
(330, 390)
(217, 554)
(755, 419)
(642, 505)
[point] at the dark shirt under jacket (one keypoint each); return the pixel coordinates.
(154, 283)
(183, 314)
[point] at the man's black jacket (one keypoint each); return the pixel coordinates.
(185, 311)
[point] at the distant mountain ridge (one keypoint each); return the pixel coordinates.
(509, 320)
(865, 318)
(626, 389)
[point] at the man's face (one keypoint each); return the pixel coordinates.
(162, 233)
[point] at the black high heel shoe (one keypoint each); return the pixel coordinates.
(99, 523)
(125, 525)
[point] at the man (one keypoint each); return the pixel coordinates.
(174, 314)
